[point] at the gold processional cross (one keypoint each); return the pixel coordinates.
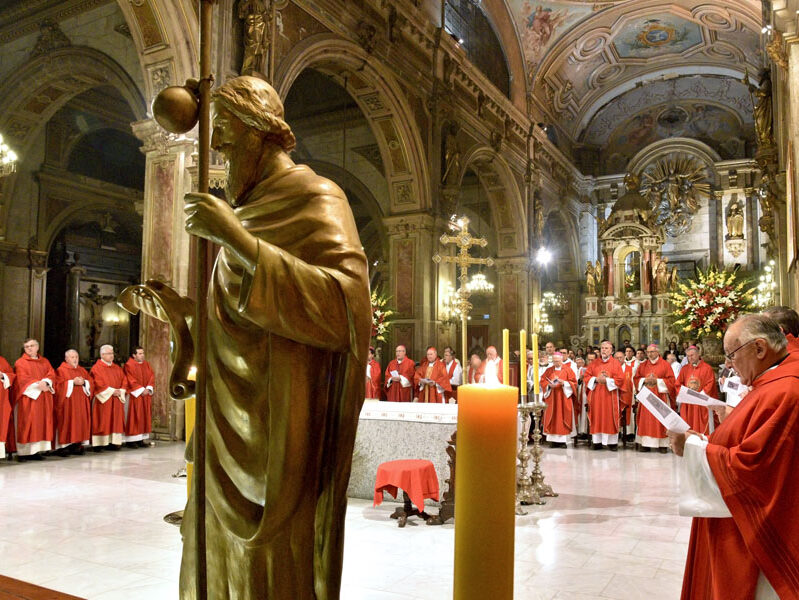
(464, 240)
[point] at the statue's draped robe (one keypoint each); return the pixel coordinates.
(287, 352)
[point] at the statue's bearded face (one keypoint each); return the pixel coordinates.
(242, 146)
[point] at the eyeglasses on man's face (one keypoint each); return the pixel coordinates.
(731, 355)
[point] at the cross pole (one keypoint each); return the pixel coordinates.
(463, 240)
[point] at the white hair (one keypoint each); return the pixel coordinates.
(71, 350)
(752, 327)
(104, 346)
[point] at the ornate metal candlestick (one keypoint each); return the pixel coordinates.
(525, 492)
(540, 488)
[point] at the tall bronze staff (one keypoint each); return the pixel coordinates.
(177, 109)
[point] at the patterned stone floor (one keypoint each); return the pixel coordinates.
(92, 526)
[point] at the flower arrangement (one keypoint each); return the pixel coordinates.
(380, 314)
(707, 304)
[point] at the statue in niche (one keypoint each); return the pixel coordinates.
(590, 278)
(288, 334)
(735, 220)
(763, 109)
(452, 155)
(255, 14)
(663, 280)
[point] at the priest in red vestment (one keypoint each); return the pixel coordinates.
(492, 367)
(740, 485)
(626, 395)
(656, 374)
(788, 320)
(474, 373)
(33, 402)
(430, 380)
(7, 377)
(455, 374)
(399, 376)
(73, 413)
(373, 386)
(558, 385)
(698, 376)
(603, 379)
(109, 394)
(140, 383)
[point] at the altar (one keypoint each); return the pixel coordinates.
(400, 430)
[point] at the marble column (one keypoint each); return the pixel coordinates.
(73, 305)
(37, 293)
(512, 290)
(165, 244)
(412, 285)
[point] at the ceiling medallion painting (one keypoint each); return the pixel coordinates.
(675, 186)
(657, 35)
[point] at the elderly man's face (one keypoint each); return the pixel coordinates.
(653, 353)
(580, 362)
(606, 349)
(400, 352)
(432, 355)
(557, 360)
(107, 354)
(31, 348)
(491, 353)
(746, 357)
(693, 356)
(71, 358)
(619, 356)
(448, 356)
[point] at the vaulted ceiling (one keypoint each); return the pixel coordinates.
(616, 76)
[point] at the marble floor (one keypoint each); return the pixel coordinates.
(92, 526)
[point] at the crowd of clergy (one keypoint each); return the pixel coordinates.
(65, 410)
(590, 393)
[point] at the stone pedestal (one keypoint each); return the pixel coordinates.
(591, 306)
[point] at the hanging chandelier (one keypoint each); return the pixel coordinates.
(8, 159)
(766, 291)
(557, 302)
(478, 284)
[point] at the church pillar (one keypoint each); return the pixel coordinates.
(164, 243)
(611, 274)
(412, 286)
(512, 291)
(38, 290)
(73, 305)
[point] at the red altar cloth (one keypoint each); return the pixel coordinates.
(416, 477)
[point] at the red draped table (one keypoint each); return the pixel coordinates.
(416, 478)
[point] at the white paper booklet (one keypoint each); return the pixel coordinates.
(689, 396)
(662, 412)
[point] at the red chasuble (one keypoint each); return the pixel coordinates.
(373, 383)
(475, 376)
(697, 416)
(438, 373)
(559, 416)
(108, 411)
(394, 390)
(139, 413)
(34, 417)
(603, 404)
(754, 457)
(627, 392)
(5, 404)
(648, 425)
(453, 393)
(793, 343)
(73, 418)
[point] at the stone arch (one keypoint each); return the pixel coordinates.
(166, 36)
(572, 243)
(505, 197)
(48, 83)
(378, 95)
(689, 146)
(508, 35)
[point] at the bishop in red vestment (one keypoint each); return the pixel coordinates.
(372, 377)
(657, 375)
(603, 379)
(140, 383)
(73, 418)
(627, 395)
(108, 401)
(699, 376)
(558, 384)
(430, 380)
(399, 377)
(741, 485)
(33, 402)
(7, 377)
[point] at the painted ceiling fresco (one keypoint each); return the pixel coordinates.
(589, 61)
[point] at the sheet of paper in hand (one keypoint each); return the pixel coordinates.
(689, 396)
(395, 373)
(662, 412)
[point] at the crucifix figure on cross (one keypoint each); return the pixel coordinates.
(464, 241)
